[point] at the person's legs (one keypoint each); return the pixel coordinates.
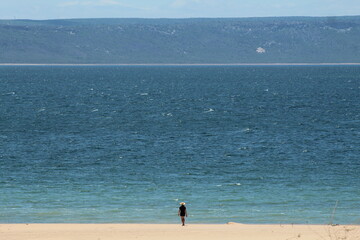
(183, 220)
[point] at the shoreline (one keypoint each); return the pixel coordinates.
(179, 64)
(176, 231)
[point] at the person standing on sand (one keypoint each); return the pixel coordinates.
(182, 213)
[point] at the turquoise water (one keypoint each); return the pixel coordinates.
(127, 144)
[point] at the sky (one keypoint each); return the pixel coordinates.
(64, 9)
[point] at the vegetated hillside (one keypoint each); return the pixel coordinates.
(237, 40)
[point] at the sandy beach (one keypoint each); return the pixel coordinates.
(173, 231)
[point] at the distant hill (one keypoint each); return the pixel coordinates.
(235, 40)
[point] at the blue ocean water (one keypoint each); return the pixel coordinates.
(254, 144)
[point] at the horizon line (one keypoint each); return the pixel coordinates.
(179, 18)
(180, 64)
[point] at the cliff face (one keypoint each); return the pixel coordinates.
(238, 40)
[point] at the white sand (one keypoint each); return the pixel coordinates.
(172, 231)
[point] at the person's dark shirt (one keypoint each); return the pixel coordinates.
(182, 210)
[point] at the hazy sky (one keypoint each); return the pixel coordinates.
(51, 9)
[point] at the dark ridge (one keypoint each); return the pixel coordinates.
(193, 40)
